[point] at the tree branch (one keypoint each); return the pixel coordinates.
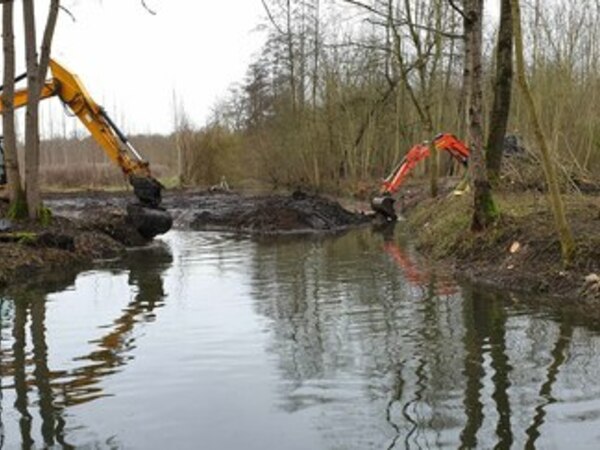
(69, 13)
(47, 41)
(151, 11)
(458, 9)
(271, 18)
(367, 7)
(443, 33)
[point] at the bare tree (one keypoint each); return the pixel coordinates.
(484, 208)
(562, 226)
(8, 118)
(502, 93)
(36, 73)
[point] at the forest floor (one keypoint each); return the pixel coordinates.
(521, 251)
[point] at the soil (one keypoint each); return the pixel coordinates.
(295, 213)
(29, 248)
(96, 225)
(521, 252)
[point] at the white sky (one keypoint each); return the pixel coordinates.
(132, 62)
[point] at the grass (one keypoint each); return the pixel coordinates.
(442, 229)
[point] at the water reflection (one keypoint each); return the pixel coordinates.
(349, 342)
(57, 389)
(394, 356)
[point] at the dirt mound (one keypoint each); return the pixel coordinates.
(29, 248)
(113, 222)
(296, 213)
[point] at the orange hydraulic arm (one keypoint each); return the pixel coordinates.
(67, 86)
(442, 142)
(384, 203)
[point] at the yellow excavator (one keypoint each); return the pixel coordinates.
(146, 215)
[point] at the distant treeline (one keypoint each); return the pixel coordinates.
(82, 162)
(342, 89)
(340, 92)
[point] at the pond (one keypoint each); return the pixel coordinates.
(212, 341)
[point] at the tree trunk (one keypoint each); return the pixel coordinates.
(18, 206)
(464, 100)
(484, 212)
(32, 144)
(36, 72)
(562, 226)
(502, 94)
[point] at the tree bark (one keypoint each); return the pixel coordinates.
(484, 211)
(502, 94)
(562, 226)
(36, 72)
(8, 117)
(464, 100)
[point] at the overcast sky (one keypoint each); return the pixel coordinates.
(133, 62)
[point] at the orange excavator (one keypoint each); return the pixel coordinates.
(383, 204)
(146, 215)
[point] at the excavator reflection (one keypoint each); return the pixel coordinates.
(59, 389)
(147, 215)
(414, 273)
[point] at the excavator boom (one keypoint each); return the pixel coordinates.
(384, 203)
(70, 90)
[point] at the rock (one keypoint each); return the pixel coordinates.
(5, 225)
(512, 145)
(592, 278)
(591, 285)
(515, 247)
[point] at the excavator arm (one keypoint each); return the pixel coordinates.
(384, 203)
(68, 87)
(70, 90)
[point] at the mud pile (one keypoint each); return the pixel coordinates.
(296, 213)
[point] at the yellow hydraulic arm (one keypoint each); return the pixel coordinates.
(67, 86)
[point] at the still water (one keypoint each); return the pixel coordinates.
(207, 341)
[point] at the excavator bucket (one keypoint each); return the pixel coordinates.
(149, 222)
(384, 205)
(147, 216)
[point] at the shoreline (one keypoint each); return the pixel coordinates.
(521, 252)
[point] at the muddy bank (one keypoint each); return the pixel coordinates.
(230, 211)
(272, 214)
(95, 225)
(521, 252)
(28, 248)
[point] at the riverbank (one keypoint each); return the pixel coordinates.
(88, 226)
(521, 252)
(29, 249)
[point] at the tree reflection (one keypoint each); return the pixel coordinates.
(340, 311)
(59, 389)
(485, 325)
(559, 355)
